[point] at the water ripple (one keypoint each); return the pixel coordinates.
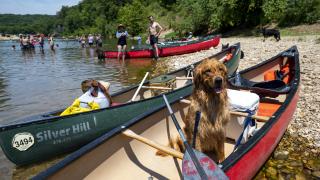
(35, 82)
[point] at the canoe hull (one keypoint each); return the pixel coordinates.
(63, 135)
(168, 51)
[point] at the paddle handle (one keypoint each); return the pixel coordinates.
(153, 144)
(137, 91)
(185, 142)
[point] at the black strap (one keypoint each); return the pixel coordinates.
(195, 130)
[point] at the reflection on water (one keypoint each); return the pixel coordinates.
(32, 82)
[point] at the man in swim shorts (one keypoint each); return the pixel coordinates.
(154, 32)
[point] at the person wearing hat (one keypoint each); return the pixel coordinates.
(121, 35)
(97, 91)
(96, 96)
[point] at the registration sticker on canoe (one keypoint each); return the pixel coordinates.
(23, 141)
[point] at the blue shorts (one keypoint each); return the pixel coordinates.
(153, 39)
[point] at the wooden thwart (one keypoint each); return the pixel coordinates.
(184, 78)
(156, 87)
(153, 144)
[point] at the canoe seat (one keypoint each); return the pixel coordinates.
(267, 109)
(277, 86)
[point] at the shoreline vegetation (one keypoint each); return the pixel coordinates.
(298, 30)
(208, 17)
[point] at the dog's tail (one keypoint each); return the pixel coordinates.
(176, 144)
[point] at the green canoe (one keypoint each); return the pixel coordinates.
(44, 136)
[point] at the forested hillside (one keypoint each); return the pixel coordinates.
(15, 24)
(198, 16)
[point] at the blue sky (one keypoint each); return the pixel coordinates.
(34, 6)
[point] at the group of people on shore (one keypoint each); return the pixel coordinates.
(154, 30)
(28, 42)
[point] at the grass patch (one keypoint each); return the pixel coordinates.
(171, 35)
(301, 30)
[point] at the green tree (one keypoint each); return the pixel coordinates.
(133, 16)
(274, 9)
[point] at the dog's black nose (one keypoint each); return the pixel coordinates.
(218, 80)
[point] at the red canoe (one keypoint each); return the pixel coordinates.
(129, 151)
(170, 49)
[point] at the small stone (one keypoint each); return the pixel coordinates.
(300, 176)
(296, 164)
(271, 172)
(307, 171)
(316, 174)
(280, 177)
(314, 151)
(281, 155)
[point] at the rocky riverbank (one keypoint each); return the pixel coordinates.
(297, 156)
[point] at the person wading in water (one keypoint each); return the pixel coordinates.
(121, 34)
(154, 32)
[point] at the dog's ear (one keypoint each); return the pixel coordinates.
(197, 77)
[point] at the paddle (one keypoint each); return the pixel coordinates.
(195, 163)
(137, 91)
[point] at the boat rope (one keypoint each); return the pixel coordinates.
(195, 130)
(248, 121)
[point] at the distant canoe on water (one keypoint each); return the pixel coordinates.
(38, 138)
(171, 48)
(124, 154)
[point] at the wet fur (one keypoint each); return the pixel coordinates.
(214, 111)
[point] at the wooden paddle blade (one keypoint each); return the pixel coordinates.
(212, 170)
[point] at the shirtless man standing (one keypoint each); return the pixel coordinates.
(154, 31)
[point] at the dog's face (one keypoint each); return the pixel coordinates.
(210, 76)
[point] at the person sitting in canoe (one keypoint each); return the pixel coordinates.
(96, 96)
(121, 34)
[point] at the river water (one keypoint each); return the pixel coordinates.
(35, 82)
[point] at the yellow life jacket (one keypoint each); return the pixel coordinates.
(76, 108)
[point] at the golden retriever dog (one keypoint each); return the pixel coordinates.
(209, 97)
